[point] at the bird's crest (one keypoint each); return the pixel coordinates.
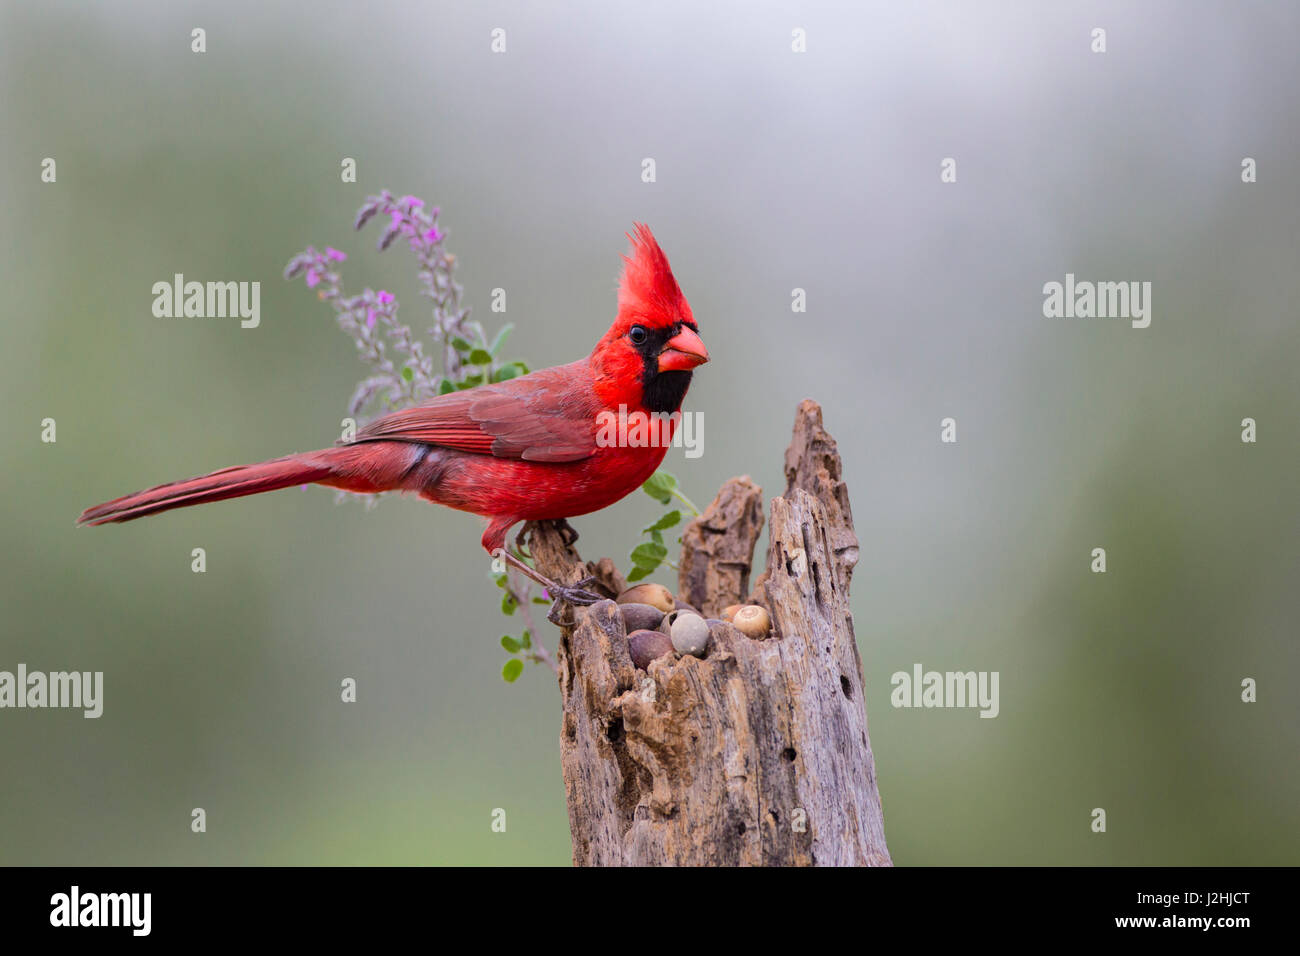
(648, 292)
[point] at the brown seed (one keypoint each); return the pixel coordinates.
(640, 617)
(690, 634)
(730, 610)
(679, 605)
(646, 646)
(752, 621)
(656, 595)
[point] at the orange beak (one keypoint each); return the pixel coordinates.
(683, 351)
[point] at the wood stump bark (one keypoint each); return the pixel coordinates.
(757, 754)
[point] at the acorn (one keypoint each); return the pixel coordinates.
(730, 610)
(752, 621)
(656, 595)
(646, 646)
(690, 635)
(640, 617)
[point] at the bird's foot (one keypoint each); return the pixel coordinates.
(574, 595)
(567, 532)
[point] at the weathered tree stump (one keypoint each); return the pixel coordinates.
(757, 754)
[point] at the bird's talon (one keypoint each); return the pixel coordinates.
(574, 595)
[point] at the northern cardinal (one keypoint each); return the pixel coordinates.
(525, 449)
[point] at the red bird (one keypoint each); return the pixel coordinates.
(526, 449)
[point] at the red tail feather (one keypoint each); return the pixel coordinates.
(227, 483)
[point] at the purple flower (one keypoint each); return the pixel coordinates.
(335, 254)
(313, 278)
(433, 235)
(385, 297)
(396, 218)
(410, 202)
(370, 318)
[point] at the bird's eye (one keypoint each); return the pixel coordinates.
(638, 335)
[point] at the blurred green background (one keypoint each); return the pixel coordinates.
(775, 171)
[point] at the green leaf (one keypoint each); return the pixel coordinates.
(500, 340)
(508, 603)
(447, 385)
(660, 486)
(526, 639)
(649, 555)
(480, 357)
(514, 667)
(469, 381)
(637, 574)
(509, 371)
(510, 644)
(541, 600)
(408, 373)
(657, 537)
(667, 521)
(460, 345)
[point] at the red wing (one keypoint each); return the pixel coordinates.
(548, 415)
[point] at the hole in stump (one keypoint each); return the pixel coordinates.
(846, 687)
(615, 730)
(789, 754)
